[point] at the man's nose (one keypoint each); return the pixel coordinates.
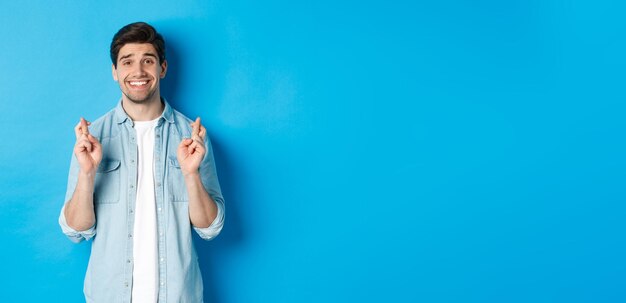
(139, 69)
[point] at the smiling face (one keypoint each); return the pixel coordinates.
(138, 73)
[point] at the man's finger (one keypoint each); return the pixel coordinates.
(94, 142)
(190, 149)
(199, 132)
(193, 146)
(92, 139)
(95, 146)
(186, 141)
(85, 126)
(197, 138)
(198, 146)
(80, 128)
(195, 127)
(202, 133)
(77, 130)
(84, 144)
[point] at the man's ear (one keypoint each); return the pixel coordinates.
(163, 69)
(113, 72)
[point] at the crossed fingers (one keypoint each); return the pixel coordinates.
(84, 140)
(196, 142)
(82, 128)
(198, 132)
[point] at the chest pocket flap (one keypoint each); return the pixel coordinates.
(176, 182)
(107, 185)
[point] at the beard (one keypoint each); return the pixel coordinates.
(139, 99)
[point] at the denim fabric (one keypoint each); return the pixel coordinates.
(109, 274)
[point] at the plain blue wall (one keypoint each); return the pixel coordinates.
(416, 151)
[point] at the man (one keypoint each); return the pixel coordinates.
(142, 176)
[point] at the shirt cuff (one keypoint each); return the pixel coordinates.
(208, 233)
(74, 235)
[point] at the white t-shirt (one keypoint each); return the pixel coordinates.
(145, 266)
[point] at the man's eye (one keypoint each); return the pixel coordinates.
(148, 61)
(126, 63)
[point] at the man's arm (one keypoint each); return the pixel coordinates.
(79, 211)
(203, 210)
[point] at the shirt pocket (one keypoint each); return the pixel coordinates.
(107, 184)
(177, 191)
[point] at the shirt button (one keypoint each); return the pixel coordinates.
(126, 284)
(162, 283)
(127, 261)
(131, 211)
(159, 209)
(158, 136)
(130, 236)
(161, 234)
(132, 186)
(162, 259)
(132, 160)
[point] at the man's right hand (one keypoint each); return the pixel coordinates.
(88, 150)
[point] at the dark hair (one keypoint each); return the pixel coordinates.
(138, 32)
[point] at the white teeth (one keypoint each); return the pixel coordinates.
(136, 83)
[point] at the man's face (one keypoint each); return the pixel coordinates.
(138, 72)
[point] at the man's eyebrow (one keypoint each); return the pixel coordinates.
(124, 57)
(145, 54)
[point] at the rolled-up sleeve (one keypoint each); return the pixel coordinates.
(208, 174)
(208, 233)
(74, 235)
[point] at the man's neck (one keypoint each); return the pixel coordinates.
(144, 111)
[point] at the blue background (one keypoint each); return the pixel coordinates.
(408, 151)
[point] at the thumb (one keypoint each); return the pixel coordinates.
(186, 141)
(92, 139)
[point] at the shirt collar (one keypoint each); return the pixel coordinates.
(121, 116)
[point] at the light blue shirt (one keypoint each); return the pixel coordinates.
(109, 274)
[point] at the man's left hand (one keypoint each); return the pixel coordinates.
(191, 150)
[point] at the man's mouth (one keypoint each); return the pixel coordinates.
(138, 83)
